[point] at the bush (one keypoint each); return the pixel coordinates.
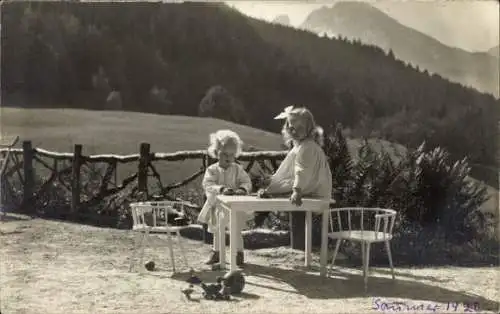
(425, 186)
(219, 103)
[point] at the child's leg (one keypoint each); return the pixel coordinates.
(240, 260)
(216, 242)
(214, 255)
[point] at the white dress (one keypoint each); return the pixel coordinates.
(305, 167)
(215, 178)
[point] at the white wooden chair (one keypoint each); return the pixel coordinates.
(364, 225)
(152, 217)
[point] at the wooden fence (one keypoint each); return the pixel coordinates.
(67, 168)
(21, 162)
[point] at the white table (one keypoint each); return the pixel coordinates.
(237, 204)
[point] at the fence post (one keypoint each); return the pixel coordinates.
(142, 173)
(29, 177)
(75, 179)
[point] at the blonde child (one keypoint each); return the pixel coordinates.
(224, 177)
(305, 170)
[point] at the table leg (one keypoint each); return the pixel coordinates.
(308, 239)
(221, 214)
(324, 242)
(233, 235)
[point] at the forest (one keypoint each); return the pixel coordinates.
(210, 60)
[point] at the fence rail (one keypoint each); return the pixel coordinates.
(66, 169)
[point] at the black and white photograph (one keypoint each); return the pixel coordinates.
(333, 156)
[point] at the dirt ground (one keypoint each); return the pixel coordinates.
(57, 267)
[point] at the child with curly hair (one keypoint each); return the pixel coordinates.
(305, 171)
(228, 178)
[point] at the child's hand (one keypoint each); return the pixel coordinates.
(227, 191)
(296, 198)
(262, 193)
(240, 192)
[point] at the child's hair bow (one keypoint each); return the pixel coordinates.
(286, 112)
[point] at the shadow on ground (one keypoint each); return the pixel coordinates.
(342, 285)
(384, 272)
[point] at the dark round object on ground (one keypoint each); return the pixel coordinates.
(235, 280)
(150, 265)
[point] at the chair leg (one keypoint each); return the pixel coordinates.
(137, 246)
(367, 264)
(181, 246)
(171, 249)
(363, 257)
(145, 239)
(388, 248)
(335, 252)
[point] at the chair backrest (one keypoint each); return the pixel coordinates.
(155, 214)
(379, 220)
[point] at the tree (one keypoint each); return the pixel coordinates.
(219, 103)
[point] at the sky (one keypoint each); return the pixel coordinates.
(472, 25)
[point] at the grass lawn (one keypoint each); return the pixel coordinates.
(57, 267)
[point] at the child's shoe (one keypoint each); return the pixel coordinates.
(213, 258)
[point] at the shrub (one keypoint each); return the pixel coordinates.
(425, 186)
(219, 103)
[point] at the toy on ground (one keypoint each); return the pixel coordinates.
(226, 292)
(213, 291)
(188, 291)
(231, 283)
(150, 265)
(235, 281)
(217, 291)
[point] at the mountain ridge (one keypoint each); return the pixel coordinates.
(375, 27)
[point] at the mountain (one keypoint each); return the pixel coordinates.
(446, 21)
(372, 26)
(282, 19)
(495, 51)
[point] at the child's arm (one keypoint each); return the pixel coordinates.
(280, 186)
(209, 182)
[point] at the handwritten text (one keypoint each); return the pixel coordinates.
(427, 307)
